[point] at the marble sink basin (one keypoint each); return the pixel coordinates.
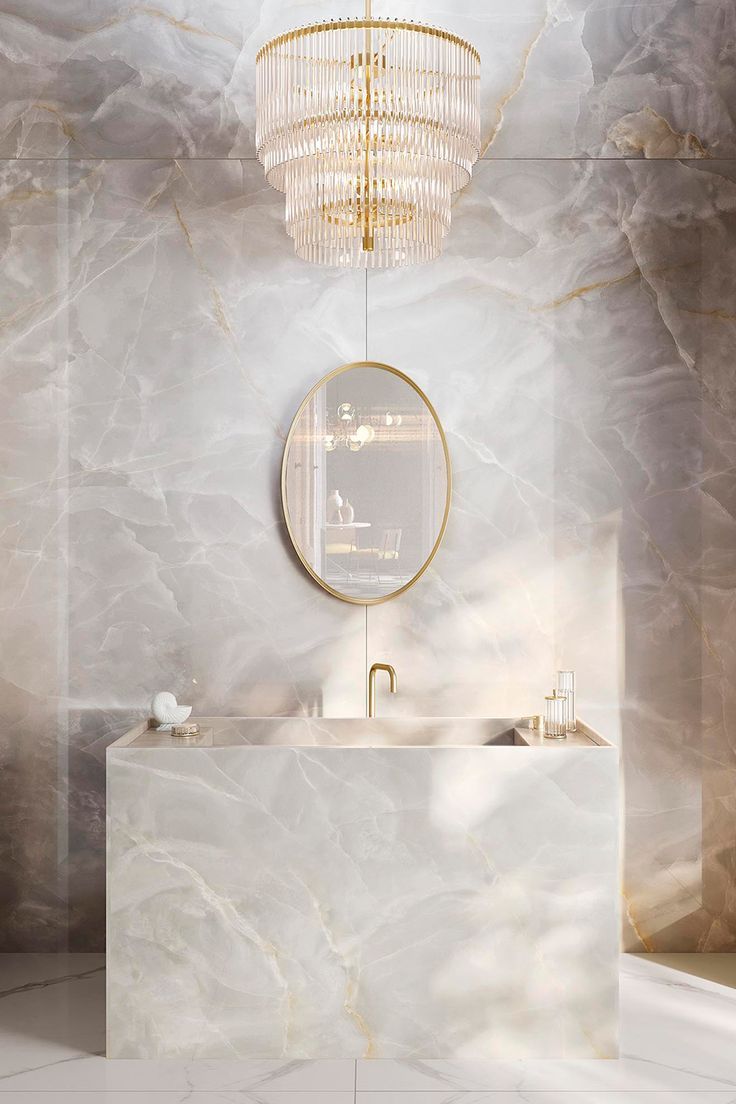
(348, 888)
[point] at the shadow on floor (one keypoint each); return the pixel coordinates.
(54, 999)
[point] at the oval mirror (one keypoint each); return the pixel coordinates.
(365, 482)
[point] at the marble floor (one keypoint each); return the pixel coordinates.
(678, 1044)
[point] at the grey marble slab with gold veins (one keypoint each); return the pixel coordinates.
(326, 901)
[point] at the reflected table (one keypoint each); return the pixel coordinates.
(343, 525)
(334, 528)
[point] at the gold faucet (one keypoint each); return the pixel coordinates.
(372, 684)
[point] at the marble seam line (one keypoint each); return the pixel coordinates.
(481, 160)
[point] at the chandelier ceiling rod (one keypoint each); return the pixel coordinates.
(368, 236)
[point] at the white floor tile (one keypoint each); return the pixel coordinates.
(52, 1038)
(678, 1043)
(182, 1096)
(592, 1096)
(98, 1075)
(89, 1075)
(678, 1032)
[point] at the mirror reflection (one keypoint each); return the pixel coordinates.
(366, 482)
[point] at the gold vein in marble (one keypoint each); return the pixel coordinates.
(585, 289)
(718, 313)
(64, 125)
(157, 852)
(358, 1020)
(646, 943)
(155, 13)
(524, 65)
(25, 195)
(218, 306)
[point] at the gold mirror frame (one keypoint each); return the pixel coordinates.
(285, 509)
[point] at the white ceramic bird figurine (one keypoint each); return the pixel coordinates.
(166, 711)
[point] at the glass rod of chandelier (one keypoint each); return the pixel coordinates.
(368, 126)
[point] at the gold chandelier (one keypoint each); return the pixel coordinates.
(368, 126)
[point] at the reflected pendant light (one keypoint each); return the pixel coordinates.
(368, 126)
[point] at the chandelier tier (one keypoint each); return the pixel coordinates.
(368, 126)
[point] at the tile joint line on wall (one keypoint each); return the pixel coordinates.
(365, 675)
(580, 159)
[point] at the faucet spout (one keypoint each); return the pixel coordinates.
(393, 684)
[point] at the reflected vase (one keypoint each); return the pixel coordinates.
(334, 506)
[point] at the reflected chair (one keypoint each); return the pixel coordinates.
(340, 554)
(370, 560)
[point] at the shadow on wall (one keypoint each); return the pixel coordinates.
(635, 648)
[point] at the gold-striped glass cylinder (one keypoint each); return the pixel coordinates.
(368, 126)
(555, 716)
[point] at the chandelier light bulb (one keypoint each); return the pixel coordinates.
(368, 126)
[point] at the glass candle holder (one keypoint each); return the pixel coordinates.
(566, 685)
(555, 716)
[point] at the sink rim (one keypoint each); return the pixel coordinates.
(213, 726)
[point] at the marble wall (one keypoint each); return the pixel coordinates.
(157, 336)
(578, 350)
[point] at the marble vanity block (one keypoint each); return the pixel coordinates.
(314, 888)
